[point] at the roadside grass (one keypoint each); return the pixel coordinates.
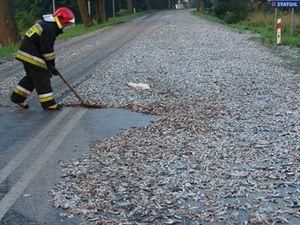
(9, 50)
(209, 17)
(264, 25)
(78, 30)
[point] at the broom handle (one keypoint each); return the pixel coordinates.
(71, 88)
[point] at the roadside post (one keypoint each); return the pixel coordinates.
(278, 28)
(293, 21)
(89, 7)
(113, 8)
(276, 15)
(283, 4)
(53, 6)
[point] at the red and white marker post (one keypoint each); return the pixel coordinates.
(278, 29)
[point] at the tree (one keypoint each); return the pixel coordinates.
(100, 11)
(83, 8)
(8, 29)
(26, 12)
(148, 4)
(130, 6)
(201, 6)
(231, 11)
(171, 4)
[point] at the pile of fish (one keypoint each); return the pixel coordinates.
(224, 147)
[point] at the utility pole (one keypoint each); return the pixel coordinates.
(293, 21)
(276, 15)
(89, 7)
(113, 6)
(53, 6)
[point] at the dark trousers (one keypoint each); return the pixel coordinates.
(36, 78)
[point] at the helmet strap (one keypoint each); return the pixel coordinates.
(58, 22)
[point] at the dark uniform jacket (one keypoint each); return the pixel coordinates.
(37, 47)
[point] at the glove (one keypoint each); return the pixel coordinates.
(53, 70)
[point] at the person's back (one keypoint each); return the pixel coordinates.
(38, 43)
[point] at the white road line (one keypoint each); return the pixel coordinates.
(22, 155)
(10, 198)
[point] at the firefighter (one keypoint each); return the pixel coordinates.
(37, 55)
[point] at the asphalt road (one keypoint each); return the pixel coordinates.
(32, 142)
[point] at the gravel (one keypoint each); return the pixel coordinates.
(68, 53)
(223, 149)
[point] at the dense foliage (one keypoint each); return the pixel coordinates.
(195, 3)
(231, 11)
(27, 11)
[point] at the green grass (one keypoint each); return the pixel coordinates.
(209, 17)
(263, 24)
(77, 31)
(266, 32)
(80, 29)
(9, 50)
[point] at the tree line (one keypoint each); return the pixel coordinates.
(18, 15)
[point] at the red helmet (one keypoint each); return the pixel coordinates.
(64, 16)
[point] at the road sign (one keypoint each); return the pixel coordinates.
(285, 3)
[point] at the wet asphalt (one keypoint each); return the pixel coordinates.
(31, 145)
(32, 142)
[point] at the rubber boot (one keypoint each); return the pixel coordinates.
(24, 105)
(54, 107)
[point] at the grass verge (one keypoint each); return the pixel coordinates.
(77, 31)
(80, 29)
(9, 50)
(263, 24)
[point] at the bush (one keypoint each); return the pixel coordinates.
(26, 12)
(232, 11)
(220, 8)
(230, 17)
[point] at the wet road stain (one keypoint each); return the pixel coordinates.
(19, 130)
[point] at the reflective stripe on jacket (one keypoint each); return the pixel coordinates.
(37, 47)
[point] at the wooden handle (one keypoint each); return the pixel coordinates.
(72, 89)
